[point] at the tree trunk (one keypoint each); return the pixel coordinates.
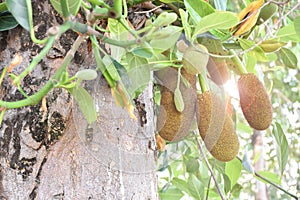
(258, 148)
(49, 152)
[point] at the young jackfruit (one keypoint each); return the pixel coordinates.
(255, 102)
(216, 127)
(173, 125)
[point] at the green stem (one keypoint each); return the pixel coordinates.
(125, 25)
(3, 74)
(100, 3)
(124, 44)
(118, 8)
(240, 66)
(203, 84)
(178, 77)
(85, 5)
(125, 9)
(32, 35)
(2, 115)
(100, 64)
(36, 98)
(63, 28)
(143, 30)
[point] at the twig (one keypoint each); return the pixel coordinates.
(208, 166)
(271, 183)
(208, 186)
(275, 185)
(149, 5)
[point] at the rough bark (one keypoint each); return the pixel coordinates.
(48, 151)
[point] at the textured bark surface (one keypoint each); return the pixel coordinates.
(48, 151)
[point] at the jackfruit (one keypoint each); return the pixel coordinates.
(216, 127)
(255, 102)
(173, 125)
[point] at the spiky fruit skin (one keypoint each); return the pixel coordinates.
(173, 125)
(216, 127)
(255, 102)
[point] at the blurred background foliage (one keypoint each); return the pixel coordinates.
(182, 170)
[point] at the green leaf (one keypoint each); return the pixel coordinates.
(18, 8)
(7, 21)
(85, 102)
(110, 67)
(143, 52)
(192, 165)
(297, 25)
(195, 17)
(288, 33)
(178, 100)
(201, 7)
(86, 74)
(185, 24)
(139, 74)
(266, 13)
(180, 184)
(3, 7)
(165, 19)
(117, 32)
(288, 58)
(233, 170)
(195, 187)
(168, 38)
(73, 6)
(227, 183)
(171, 194)
(213, 45)
(282, 146)
(195, 59)
(270, 176)
(250, 62)
(257, 52)
(236, 190)
(216, 20)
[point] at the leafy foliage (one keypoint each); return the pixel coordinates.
(7, 21)
(73, 6)
(18, 9)
(267, 45)
(282, 146)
